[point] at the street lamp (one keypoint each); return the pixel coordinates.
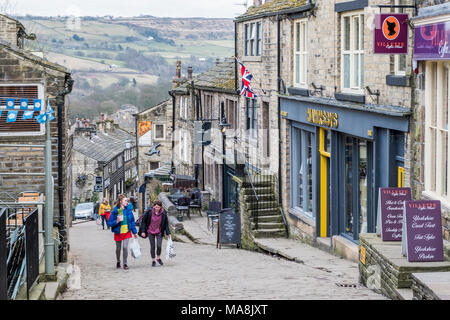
(223, 128)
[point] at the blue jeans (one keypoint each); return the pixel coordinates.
(104, 222)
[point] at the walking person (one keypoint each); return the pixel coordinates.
(154, 225)
(96, 208)
(133, 202)
(122, 225)
(104, 211)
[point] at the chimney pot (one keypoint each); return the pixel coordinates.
(178, 71)
(217, 61)
(189, 70)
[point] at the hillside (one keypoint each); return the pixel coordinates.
(124, 57)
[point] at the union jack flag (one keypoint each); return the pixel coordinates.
(246, 89)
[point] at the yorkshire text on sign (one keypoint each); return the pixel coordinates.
(323, 118)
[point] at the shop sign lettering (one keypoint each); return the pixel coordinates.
(323, 118)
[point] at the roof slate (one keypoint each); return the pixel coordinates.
(103, 146)
(219, 77)
(273, 6)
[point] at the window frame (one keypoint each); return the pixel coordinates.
(163, 129)
(436, 100)
(355, 88)
(40, 88)
(253, 39)
(302, 52)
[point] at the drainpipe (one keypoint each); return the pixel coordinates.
(173, 128)
(235, 54)
(62, 221)
(280, 199)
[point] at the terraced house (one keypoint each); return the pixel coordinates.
(24, 75)
(338, 112)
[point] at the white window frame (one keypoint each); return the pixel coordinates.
(437, 98)
(397, 57)
(301, 50)
(356, 87)
(253, 40)
(164, 132)
(41, 96)
(181, 107)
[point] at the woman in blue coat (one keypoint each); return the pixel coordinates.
(122, 224)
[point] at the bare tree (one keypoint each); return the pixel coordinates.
(8, 7)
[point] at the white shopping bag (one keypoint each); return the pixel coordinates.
(135, 249)
(170, 249)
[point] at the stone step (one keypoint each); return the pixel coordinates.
(264, 212)
(260, 191)
(261, 205)
(268, 225)
(265, 197)
(271, 233)
(257, 183)
(274, 218)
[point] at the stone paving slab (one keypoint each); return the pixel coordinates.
(203, 272)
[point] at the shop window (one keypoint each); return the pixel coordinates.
(436, 132)
(253, 39)
(300, 53)
(352, 48)
(303, 146)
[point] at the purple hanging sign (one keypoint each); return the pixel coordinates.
(423, 220)
(432, 41)
(391, 34)
(391, 206)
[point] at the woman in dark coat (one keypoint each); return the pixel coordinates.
(154, 225)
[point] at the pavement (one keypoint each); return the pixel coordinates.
(202, 271)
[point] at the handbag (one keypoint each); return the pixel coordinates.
(135, 249)
(170, 249)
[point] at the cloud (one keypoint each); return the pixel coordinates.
(166, 8)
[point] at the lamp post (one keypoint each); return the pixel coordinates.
(223, 128)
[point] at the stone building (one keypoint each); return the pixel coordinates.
(203, 103)
(26, 76)
(428, 171)
(154, 142)
(106, 153)
(340, 112)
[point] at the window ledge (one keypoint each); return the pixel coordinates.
(351, 97)
(429, 195)
(397, 80)
(299, 215)
(298, 91)
(252, 59)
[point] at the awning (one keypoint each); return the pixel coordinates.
(160, 173)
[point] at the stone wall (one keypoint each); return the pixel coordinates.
(15, 69)
(8, 30)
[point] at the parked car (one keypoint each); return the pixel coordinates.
(84, 211)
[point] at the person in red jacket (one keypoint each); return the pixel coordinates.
(122, 224)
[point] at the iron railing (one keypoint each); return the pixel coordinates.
(263, 202)
(19, 239)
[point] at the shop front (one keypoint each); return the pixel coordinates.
(340, 155)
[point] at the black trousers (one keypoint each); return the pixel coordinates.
(155, 241)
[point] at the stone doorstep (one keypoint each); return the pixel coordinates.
(436, 282)
(51, 289)
(345, 248)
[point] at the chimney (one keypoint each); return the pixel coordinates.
(189, 70)
(178, 71)
(257, 3)
(217, 61)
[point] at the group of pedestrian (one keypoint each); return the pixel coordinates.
(154, 226)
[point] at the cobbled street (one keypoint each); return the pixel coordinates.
(202, 272)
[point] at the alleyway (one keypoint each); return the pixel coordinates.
(200, 272)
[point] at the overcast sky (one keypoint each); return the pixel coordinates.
(158, 8)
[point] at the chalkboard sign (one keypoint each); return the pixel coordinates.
(229, 229)
(422, 227)
(390, 212)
